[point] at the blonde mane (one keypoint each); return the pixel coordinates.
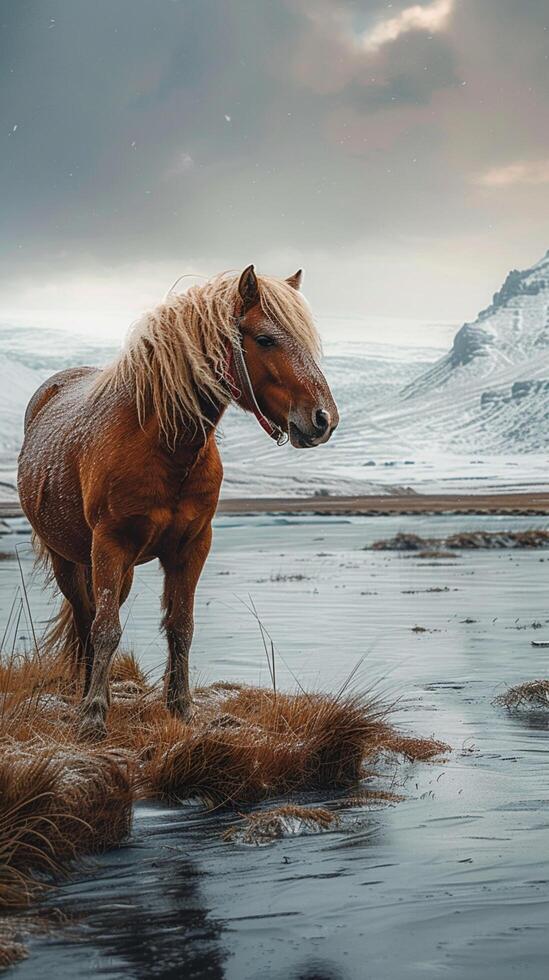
(175, 356)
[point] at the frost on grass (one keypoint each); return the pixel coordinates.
(284, 821)
(11, 949)
(532, 694)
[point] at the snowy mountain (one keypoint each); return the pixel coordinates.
(510, 336)
(490, 393)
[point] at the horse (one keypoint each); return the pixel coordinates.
(120, 466)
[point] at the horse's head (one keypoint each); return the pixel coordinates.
(285, 379)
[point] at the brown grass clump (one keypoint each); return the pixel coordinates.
(401, 542)
(284, 821)
(244, 745)
(11, 950)
(412, 748)
(58, 798)
(404, 541)
(532, 694)
(533, 538)
(56, 802)
(249, 744)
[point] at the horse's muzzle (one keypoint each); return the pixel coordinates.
(320, 430)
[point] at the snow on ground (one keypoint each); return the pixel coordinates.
(475, 419)
(490, 393)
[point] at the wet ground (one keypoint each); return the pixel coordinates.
(452, 882)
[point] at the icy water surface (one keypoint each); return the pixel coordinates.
(452, 882)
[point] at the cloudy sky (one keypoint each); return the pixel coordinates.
(398, 151)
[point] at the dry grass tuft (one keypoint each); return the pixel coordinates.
(368, 797)
(11, 950)
(126, 670)
(403, 541)
(412, 748)
(249, 744)
(56, 802)
(532, 694)
(284, 821)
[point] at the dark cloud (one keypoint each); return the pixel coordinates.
(152, 129)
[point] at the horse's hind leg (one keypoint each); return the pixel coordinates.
(71, 579)
(109, 571)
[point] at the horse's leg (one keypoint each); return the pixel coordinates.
(124, 593)
(181, 578)
(126, 586)
(71, 580)
(88, 649)
(109, 569)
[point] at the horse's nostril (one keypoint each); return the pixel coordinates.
(321, 419)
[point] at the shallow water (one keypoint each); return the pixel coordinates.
(453, 881)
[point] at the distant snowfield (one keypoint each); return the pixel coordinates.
(475, 419)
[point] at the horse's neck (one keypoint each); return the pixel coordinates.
(189, 440)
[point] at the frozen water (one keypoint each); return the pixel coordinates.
(459, 871)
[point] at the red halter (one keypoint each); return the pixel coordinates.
(238, 379)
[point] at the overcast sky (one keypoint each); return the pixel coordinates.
(398, 151)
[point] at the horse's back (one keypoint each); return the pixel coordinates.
(51, 387)
(49, 461)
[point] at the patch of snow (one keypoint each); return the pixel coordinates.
(476, 418)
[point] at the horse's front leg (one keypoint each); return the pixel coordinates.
(109, 567)
(181, 578)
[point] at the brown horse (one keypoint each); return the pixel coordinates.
(121, 466)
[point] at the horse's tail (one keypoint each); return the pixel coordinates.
(61, 637)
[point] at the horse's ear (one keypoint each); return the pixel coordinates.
(248, 288)
(295, 280)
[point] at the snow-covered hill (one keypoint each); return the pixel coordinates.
(17, 383)
(512, 333)
(28, 357)
(475, 418)
(490, 392)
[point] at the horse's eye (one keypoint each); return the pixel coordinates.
(264, 341)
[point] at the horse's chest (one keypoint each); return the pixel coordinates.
(177, 511)
(171, 526)
(176, 519)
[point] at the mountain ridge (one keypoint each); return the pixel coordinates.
(513, 329)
